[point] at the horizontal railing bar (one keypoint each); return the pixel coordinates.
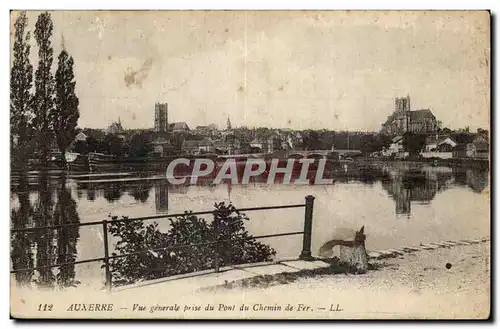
(153, 249)
(205, 213)
(279, 234)
(58, 265)
(202, 244)
(32, 229)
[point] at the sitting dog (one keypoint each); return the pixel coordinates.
(352, 248)
(342, 237)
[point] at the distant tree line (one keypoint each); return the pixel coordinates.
(138, 144)
(48, 113)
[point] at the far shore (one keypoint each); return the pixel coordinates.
(155, 163)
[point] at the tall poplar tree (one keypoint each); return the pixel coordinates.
(43, 101)
(66, 112)
(21, 76)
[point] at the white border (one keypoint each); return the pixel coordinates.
(256, 4)
(184, 4)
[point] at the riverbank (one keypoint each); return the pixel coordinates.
(416, 285)
(452, 163)
(437, 281)
(108, 163)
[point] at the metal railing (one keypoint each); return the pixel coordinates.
(304, 255)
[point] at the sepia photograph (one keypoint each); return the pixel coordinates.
(244, 164)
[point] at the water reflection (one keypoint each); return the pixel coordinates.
(476, 179)
(40, 200)
(53, 206)
(421, 186)
(65, 213)
(91, 192)
(114, 191)
(45, 240)
(161, 197)
(22, 246)
(140, 192)
(406, 187)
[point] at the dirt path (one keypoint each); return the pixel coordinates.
(416, 285)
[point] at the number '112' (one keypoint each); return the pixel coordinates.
(44, 307)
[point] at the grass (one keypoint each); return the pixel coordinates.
(265, 281)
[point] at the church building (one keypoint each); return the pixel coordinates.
(403, 119)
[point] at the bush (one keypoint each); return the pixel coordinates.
(163, 259)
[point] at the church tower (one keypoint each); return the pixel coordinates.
(228, 123)
(402, 114)
(161, 118)
(402, 104)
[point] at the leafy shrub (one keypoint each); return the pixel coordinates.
(163, 256)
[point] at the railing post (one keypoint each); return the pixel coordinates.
(217, 244)
(106, 254)
(306, 243)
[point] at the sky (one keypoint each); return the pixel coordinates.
(335, 70)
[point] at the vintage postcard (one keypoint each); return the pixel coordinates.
(250, 164)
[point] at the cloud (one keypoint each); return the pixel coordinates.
(137, 77)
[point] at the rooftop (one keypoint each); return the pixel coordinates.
(421, 115)
(178, 126)
(416, 115)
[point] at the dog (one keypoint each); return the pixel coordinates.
(343, 237)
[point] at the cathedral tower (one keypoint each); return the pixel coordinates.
(402, 104)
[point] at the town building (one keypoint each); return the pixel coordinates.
(207, 131)
(404, 120)
(115, 127)
(258, 145)
(227, 145)
(202, 146)
(80, 137)
(476, 148)
(189, 146)
(439, 143)
(271, 144)
(161, 146)
(161, 118)
(178, 127)
(206, 145)
(439, 146)
(396, 148)
(481, 146)
(202, 130)
(287, 143)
